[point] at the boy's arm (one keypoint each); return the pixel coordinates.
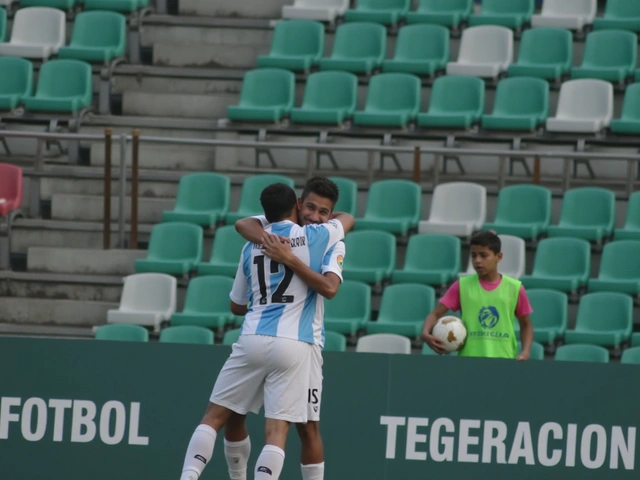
(251, 228)
(526, 337)
(435, 343)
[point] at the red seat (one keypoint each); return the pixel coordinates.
(10, 188)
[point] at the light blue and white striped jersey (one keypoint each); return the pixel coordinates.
(281, 304)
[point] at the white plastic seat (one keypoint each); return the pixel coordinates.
(322, 10)
(584, 106)
(513, 261)
(571, 14)
(38, 32)
(485, 51)
(383, 343)
(147, 299)
(457, 208)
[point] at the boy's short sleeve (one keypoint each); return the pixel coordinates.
(451, 299)
(263, 220)
(524, 306)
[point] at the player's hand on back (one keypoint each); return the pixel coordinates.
(434, 343)
(275, 248)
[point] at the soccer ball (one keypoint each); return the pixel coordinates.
(452, 332)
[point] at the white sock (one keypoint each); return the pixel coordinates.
(314, 471)
(237, 455)
(199, 452)
(269, 464)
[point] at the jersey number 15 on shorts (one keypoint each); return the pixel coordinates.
(278, 296)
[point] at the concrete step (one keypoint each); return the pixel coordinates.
(178, 105)
(231, 8)
(83, 261)
(49, 311)
(89, 208)
(214, 55)
(172, 84)
(88, 186)
(45, 331)
(162, 157)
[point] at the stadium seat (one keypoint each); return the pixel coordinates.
(63, 86)
(485, 51)
(393, 100)
(426, 350)
(41, 42)
(267, 95)
(431, 259)
(207, 303)
(403, 309)
(329, 97)
(10, 187)
(357, 47)
(561, 264)
(372, 256)
(398, 216)
(449, 13)
(537, 350)
(348, 195)
(123, 6)
(350, 309)
(174, 248)
(588, 213)
(203, 199)
(631, 228)
(231, 336)
(582, 353)
(521, 103)
(122, 333)
(584, 106)
(383, 343)
(514, 258)
(147, 299)
(544, 53)
(60, 4)
(3, 24)
(523, 211)
(97, 37)
(420, 49)
(250, 196)
(296, 45)
(631, 356)
(619, 268)
(619, 14)
(455, 102)
(604, 318)
(334, 342)
(457, 208)
(322, 10)
(629, 121)
(16, 81)
(572, 14)
(190, 334)
(610, 55)
(637, 76)
(506, 13)
(550, 315)
(388, 12)
(225, 254)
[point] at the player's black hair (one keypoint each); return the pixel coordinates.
(323, 187)
(489, 239)
(277, 200)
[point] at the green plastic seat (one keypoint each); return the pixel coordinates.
(582, 353)
(63, 86)
(174, 248)
(267, 95)
(203, 199)
(560, 264)
(433, 259)
(3, 24)
(296, 45)
(506, 13)
(393, 100)
(372, 256)
(350, 309)
(207, 303)
(619, 14)
(420, 49)
(357, 47)
(610, 55)
(619, 268)
(250, 196)
(348, 195)
(16, 81)
(397, 216)
(403, 309)
(588, 213)
(426, 350)
(225, 254)
(631, 356)
(456, 101)
(122, 332)
(637, 76)
(544, 53)
(329, 97)
(604, 318)
(231, 336)
(631, 228)
(60, 4)
(449, 13)
(537, 350)
(123, 6)
(97, 37)
(386, 12)
(521, 103)
(523, 211)
(629, 121)
(334, 342)
(187, 334)
(550, 315)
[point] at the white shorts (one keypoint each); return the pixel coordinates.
(270, 370)
(314, 398)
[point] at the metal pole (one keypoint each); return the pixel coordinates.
(502, 165)
(436, 170)
(630, 176)
(416, 164)
(370, 161)
(134, 188)
(106, 230)
(123, 189)
(536, 170)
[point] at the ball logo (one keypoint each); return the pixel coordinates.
(340, 261)
(488, 317)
